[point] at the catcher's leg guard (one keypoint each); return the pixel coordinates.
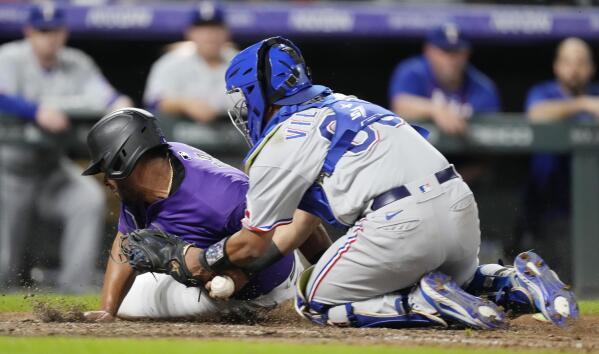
(455, 304)
(390, 311)
(397, 314)
(551, 296)
(302, 307)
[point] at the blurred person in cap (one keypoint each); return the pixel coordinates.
(571, 96)
(441, 85)
(189, 79)
(41, 80)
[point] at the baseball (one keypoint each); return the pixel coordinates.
(222, 287)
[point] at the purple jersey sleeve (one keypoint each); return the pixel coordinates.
(234, 219)
(126, 221)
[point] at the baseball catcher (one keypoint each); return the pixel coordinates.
(413, 230)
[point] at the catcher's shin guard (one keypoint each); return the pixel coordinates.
(302, 307)
(346, 315)
(550, 295)
(456, 305)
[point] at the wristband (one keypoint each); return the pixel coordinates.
(215, 259)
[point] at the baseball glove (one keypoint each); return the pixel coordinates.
(156, 251)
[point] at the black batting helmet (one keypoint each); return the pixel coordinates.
(119, 139)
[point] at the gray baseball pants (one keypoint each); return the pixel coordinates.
(436, 228)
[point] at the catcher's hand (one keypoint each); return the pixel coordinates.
(150, 250)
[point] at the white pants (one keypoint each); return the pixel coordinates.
(161, 296)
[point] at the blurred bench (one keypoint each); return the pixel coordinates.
(494, 135)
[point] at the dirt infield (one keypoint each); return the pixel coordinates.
(283, 324)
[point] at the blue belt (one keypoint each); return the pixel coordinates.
(401, 192)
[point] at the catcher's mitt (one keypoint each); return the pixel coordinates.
(155, 251)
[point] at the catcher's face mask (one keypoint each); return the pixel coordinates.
(239, 113)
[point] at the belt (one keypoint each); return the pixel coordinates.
(401, 192)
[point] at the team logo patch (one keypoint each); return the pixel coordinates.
(215, 253)
(425, 188)
(175, 267)
(205, 157)
(184, 155)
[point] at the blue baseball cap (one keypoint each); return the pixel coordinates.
(46, 16)
(207, 14)
(449, 37)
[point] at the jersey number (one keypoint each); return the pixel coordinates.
(366, 138)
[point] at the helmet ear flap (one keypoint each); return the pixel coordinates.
(265, 67)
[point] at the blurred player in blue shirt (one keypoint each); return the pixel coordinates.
(441, 85)
(570, 96)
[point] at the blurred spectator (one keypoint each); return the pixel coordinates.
(190, 79)
(41, 80)
(441, 85)
(571, 96)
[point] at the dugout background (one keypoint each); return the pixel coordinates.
(363, 67)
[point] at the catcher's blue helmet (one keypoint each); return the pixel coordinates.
(270, 72)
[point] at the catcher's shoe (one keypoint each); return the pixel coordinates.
(552, 297)
(452, 302)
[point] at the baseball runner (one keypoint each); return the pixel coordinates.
(172, 193)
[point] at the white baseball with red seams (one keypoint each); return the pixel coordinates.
(222, 287)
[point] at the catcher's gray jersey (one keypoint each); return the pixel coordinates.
(182, 73)
(75, 83)
(290, 161)
(433, 227)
